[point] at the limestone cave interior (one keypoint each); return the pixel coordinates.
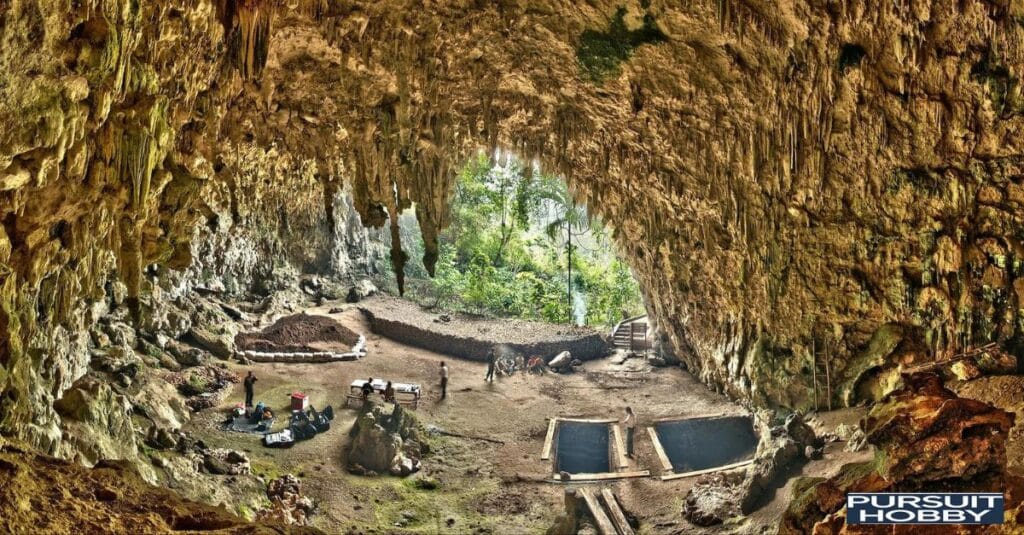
(799, 239)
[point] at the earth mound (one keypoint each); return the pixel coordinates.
(472, 337)
(299, 333)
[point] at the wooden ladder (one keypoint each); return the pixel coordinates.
(607, 514)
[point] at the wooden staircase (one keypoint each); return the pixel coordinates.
(631, 334)
(606, 512)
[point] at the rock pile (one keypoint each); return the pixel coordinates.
(203, 386)
(385, 443)
(288, 506)
(926, 439)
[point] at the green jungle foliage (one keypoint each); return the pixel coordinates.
(507, 249)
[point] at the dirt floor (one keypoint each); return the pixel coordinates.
(484, 487)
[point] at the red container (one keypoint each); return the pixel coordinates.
(300, 401)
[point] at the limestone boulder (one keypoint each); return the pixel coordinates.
(385, 442)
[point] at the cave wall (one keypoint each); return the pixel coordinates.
(120, 187)
(793, 183)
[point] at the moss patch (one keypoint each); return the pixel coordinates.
(600, 54)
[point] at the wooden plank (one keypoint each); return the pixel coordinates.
(708, 470)
(620, 447)
(666, 464)
(589, 421)
(698, 417)
(549, 441)
(604, 524)
(618, 517)
(603, 476)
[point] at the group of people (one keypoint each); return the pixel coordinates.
(534, 364)
(388, 394)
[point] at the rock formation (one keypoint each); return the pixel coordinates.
(927, 440)
(110, 498)
(385, 443)
(810, 194)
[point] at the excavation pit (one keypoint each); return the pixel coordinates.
(699, 445)
(582, 448)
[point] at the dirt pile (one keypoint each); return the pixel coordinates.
(927, 440)
(40, 494)
(472, 337)
(299, 333)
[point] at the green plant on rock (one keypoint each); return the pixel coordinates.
(1003, 88)
(601, 53)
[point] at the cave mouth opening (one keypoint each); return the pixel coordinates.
(706, 443)
(519, 244)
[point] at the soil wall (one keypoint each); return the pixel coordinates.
(475, 347)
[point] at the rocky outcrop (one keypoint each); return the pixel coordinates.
(926, 439)
(288, 505)
(108, 498)
(385, 443)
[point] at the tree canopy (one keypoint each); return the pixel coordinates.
(508, 249)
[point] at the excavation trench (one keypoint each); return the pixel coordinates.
(705, 443)
(583, 448)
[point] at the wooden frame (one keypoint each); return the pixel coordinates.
(616, 443)
(666, 463)
(604, 476)
(725, 468)
(548, 441)
(620, 446)
(699, 417)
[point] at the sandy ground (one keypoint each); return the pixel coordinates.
(485, 487)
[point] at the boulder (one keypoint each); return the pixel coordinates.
(561, 361)
(781, 448)
(361, 290)
(221, 345)
(928, 433)
(713, 499)
(385, 443)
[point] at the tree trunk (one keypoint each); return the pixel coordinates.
(568, 225)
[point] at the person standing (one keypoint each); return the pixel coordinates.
(444, 380)
(249, 381)
(629, 422)
(491, 363)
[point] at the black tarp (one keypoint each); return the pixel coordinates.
(701, 443)
(583, 448)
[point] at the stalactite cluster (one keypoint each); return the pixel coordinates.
(799, 188)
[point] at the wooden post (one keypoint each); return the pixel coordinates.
(814, 372)
(828, 378)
